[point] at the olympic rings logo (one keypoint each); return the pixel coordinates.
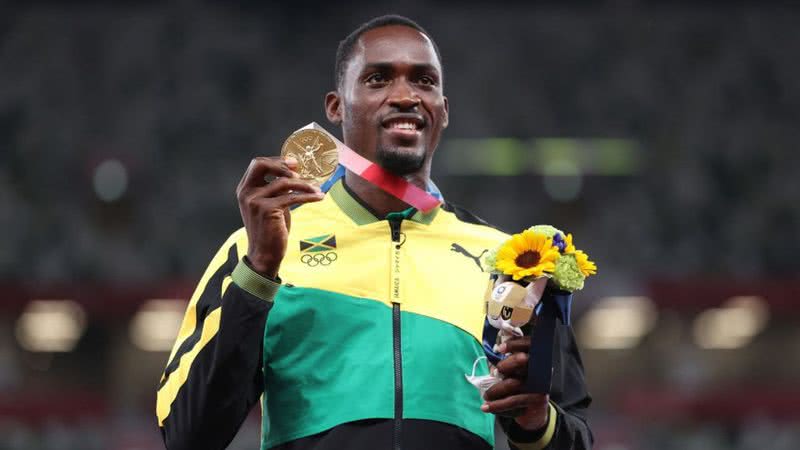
(319, 259)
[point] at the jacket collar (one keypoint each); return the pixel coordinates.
(361, 214)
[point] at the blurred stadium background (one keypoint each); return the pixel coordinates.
(662, 134)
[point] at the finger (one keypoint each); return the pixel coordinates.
(285, 201)
(520, 401)
(505, 388)
(287, 185)
(282, 186)
(257, 164)
(517, 344)
(515, 365)
(291, 163)
(511, 412)
(269, 178)
(264, 165)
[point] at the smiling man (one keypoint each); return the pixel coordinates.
(353, 317)
(390, 103)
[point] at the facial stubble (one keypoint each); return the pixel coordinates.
(400, 162)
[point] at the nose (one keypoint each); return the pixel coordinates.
(403, 96)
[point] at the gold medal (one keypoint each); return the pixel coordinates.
(315, 152)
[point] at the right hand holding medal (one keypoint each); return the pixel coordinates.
(269, 187)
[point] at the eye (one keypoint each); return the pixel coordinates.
(376, 78)
(427, 80)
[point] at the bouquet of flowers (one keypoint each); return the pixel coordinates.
(534, 271)
(534, 258)
(542, 251)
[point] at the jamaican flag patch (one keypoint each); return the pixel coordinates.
(323, 243)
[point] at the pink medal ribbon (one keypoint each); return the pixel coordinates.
(377, 175)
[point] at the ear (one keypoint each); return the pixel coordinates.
(446, 119)
(333, 107)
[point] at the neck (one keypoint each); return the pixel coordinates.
(379, 201)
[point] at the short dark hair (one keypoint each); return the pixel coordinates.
(345, 50)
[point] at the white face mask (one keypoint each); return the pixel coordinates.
(482, 382)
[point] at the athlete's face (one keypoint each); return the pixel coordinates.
(390, 102)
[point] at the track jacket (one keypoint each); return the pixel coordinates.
(364, 345)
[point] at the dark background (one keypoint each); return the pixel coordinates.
(661, 134)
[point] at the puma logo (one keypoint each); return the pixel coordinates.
(459, 249)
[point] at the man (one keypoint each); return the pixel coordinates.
(364, 340)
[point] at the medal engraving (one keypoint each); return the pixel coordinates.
(315, 152)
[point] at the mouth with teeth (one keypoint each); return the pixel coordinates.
(408, 127)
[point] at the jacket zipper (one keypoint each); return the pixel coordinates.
(394, 224)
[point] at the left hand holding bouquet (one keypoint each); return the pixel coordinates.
(533, 271)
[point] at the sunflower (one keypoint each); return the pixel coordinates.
(586, 267)
(527, 254)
